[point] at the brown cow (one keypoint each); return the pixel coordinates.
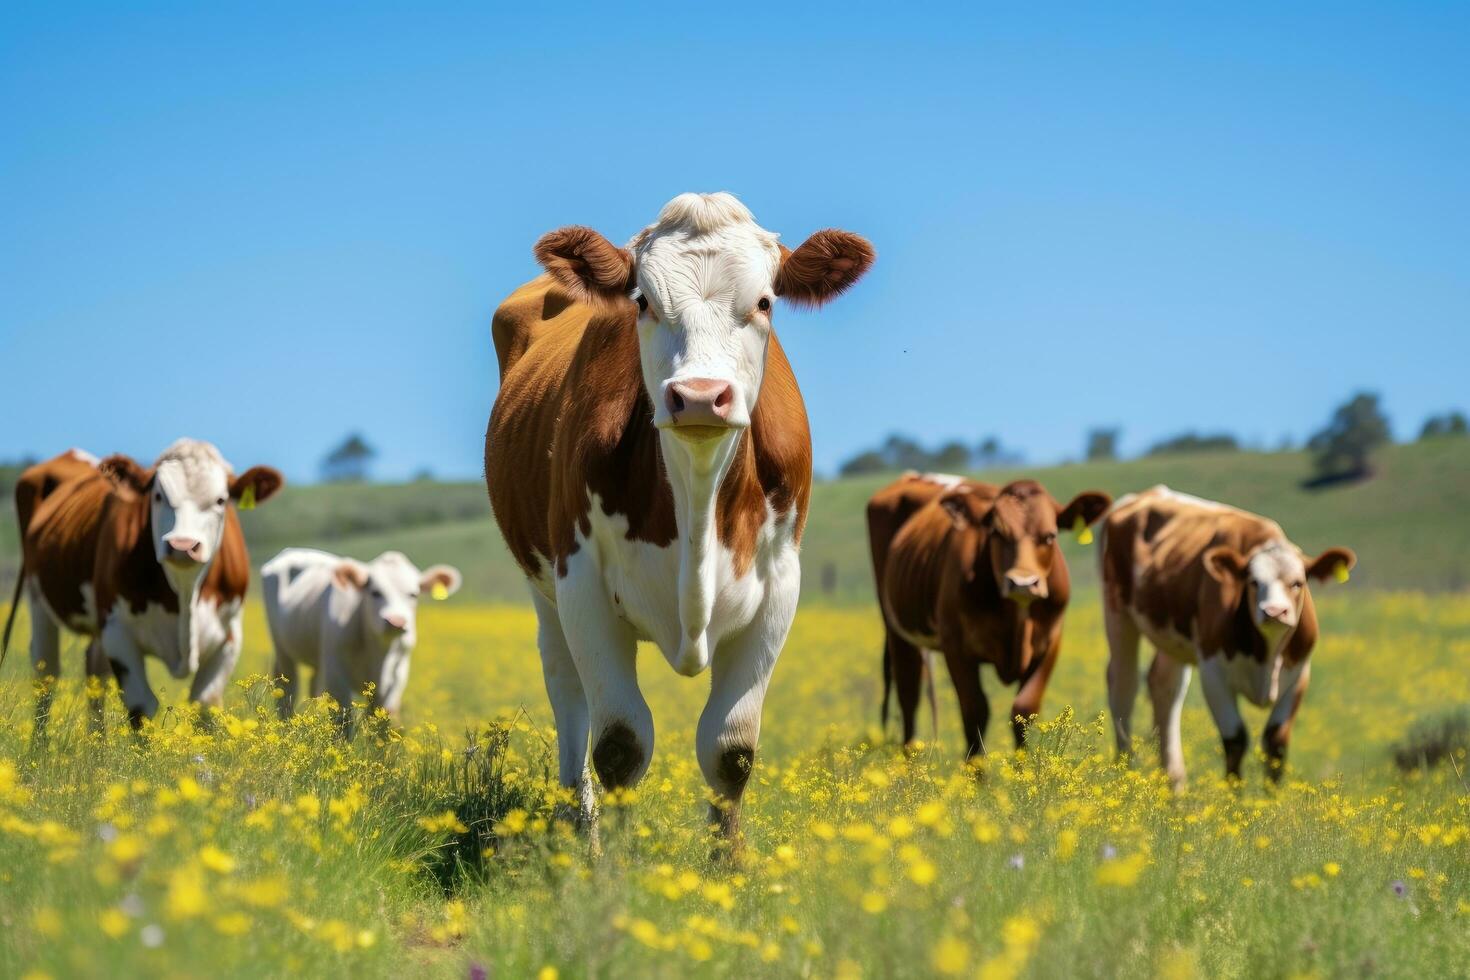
(1217, 587)
(108, 549)
(649, 463)
(974, 572)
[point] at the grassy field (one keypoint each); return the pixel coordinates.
(1410, 524)
(263, 849)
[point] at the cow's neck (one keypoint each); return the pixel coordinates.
(697, 475)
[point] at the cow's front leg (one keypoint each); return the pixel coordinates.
(964, 671)
(603, 649)
(568, 708)
(1283, 716)
(1226, 712)
(213, 675)
(730, 725)
(1033, 684)
(127, 666)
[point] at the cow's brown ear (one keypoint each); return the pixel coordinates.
(1088, 505)
(350, 575)
(1225, 564)
(263, 480)
(125, 471)
(1332, 562)
(587, 265)
(822, 267)
(964, 508)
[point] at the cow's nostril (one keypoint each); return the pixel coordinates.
(724, 398)
(676, 400)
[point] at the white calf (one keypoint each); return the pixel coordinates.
(353, 624)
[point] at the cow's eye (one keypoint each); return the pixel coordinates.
(219, 502)
(1049, 538)
(764, 304)
(642, 303)
(1296, 586)
(413, 595)
(158, 496)
(377, 594)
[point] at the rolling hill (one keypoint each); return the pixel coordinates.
(1410, 524)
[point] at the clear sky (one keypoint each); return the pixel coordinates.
(267, 224)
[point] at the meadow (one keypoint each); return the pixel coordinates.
(249, 847)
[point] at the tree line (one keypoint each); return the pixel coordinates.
(1341, 450)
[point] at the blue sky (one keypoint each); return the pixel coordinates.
(269, 224)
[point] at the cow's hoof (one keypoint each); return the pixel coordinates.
(618, 756)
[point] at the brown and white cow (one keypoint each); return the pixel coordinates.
(143, 562)
(1214, 587)
(649, 463)
(973, 571)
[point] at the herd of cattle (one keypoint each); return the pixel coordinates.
(648, 461)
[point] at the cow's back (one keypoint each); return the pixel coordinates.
(537, 331)
(1152, 551)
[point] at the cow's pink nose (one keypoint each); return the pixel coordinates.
(1276, 610)
(700, 401)
(396, 622)
(184, 548)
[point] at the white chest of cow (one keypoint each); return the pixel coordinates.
(644, 584)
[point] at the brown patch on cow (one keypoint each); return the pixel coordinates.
(228, 577)
(822, 267)
(127, 472)
(617, 756)
(573, 384)
(939, 549)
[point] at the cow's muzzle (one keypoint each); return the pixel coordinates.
(699, 408)
(184, 552)
(1023, 587)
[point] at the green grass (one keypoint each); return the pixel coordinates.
(263, 849)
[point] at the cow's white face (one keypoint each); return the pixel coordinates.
(391, 587)
(706, 294)
(1276, 581)
(191, 488)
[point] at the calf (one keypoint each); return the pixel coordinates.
(1213, 587)
(353, 624)
(142, 562)
(649, 463)
(973, 571)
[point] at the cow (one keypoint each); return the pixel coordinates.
(973, 571)
(141, 561)
(1217, 588)
(353, 623)
(649, 463)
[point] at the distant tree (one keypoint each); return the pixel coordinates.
(1342, 449)
(1102, 444)
(1194, 442)
(423, 475)
(903, 453)
(991, 452)
(951, 456)
(1448, 424)
(863, 463)
(350, 462)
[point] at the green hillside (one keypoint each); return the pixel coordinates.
(1410, 524)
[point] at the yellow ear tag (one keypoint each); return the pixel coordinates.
(1341, 572)
(439, 591)
(247, 499)
(1084, 533)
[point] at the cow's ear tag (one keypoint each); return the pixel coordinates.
(247, 499)
(439, 591)
(1084, 533)
(1341, 572)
